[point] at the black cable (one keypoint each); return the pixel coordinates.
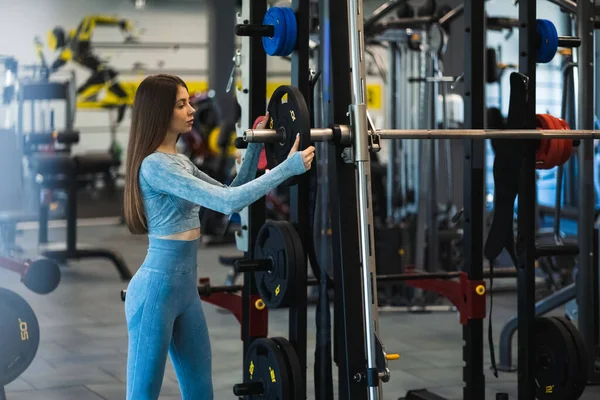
(323, 368)
(490, 334)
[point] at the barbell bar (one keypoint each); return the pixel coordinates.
(343, 132)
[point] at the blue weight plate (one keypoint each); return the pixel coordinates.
(548, 40)
(274, 45)
(291, 31)
(553, 38)
(286, 43)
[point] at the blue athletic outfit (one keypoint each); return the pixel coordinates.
(163, 310)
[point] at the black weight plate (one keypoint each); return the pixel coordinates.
(582, 376)
(274, 286)
(557, 363)
(289, 116)
(266, 364)
(293, 366)
(19, 338)
(299, 257)
(295, 244)
(43, 276)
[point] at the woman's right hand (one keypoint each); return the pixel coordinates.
(308, 154)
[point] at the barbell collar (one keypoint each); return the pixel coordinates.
(263, 136)
(343, 134)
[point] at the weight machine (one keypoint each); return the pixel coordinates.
(355, 380)
(276, 263)
(585, 289)
(50, 166)
(361, 370)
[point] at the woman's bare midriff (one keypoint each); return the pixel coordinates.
(192, 234)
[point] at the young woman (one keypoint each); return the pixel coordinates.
(163, 193)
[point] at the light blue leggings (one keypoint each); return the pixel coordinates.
(164, 314)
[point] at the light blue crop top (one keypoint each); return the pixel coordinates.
(173, 189)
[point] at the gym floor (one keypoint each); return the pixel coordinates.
(83, 348)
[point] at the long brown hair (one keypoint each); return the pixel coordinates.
(153, 106)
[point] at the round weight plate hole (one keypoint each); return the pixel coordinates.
(283, 136)
(544, 361)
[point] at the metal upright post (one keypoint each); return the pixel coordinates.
(587, 273)
(323, 369)
(349, 338)
(299, 194)
(252, 98)
(526, 247)
(392, 123)
(474, 157)
(362, 161)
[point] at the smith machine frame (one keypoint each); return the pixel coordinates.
(350, 336)
(341, 56)
(357, 349)
(337, 59)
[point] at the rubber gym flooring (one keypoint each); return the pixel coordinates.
(83, 348)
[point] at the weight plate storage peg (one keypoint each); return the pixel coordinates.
(289, 116)
(558, 365)
(275, 243)
(19, 336)
(268, 375)
(548, 40)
